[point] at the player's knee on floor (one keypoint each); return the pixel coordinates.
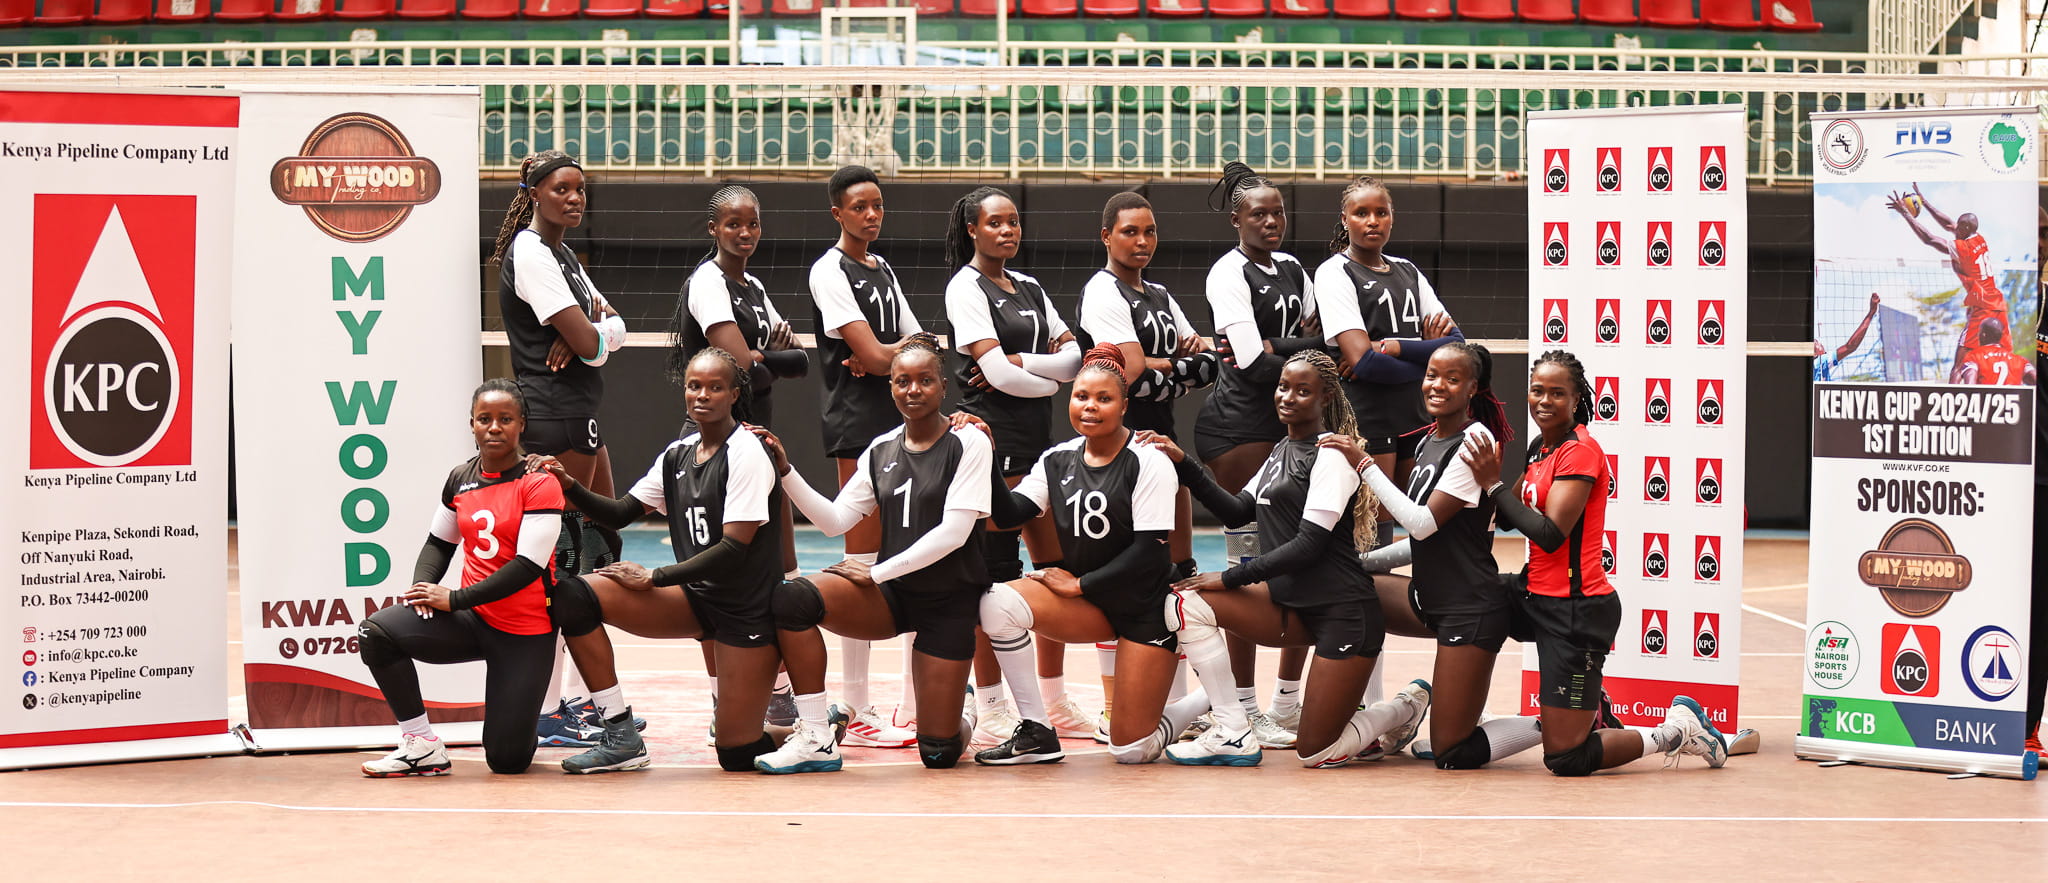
(509, 759)
(574, 608)
(1470, 754)
(938, 753)
(797, 606)
(1142, 751)
(741, 759)
(375, 645)
(1581, 761)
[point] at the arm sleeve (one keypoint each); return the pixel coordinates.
(1386, 558)
(1309, 542)
(1011, 508)
(1335, 301)
(1528, 522)
(606, 511)
(967, 312)
(1378, 367)
(1416, 517)
(1059, 367)
(1152, 496)
(435, 556)
(1234, 510)
(835, 516)
(996, 368)
(537, 277)
(836, 306)
(510, 577)
(787, 363)
(722, 557)
(941, 541)
(1417, 352)
(1145, 562)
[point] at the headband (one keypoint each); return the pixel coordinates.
(541, 172)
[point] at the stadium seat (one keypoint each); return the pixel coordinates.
(1066, 8)
(363, 9)
(490, 8)
(1547, 10)
(16, 12)
(551, 8)
(1175, 7)
(1670, 14)
(719, 8)
(167, 10)
(1423, 9)
(1111, 7)
(976, 8)
(415, 8)
(1486, 10)
(303, 10)
(1302, 8)
(675, 8)
(1790, 15)
(1236, 8)
(64, 12)
(934, 9)
(614, 8)
(1609, 12)
(1730, 15)
(1362, 8)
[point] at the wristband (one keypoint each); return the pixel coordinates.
(1494, 488)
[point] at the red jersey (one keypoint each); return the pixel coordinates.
(1981, 297)
(1574, 569)
(1969, 254)
(487, 509)
(1997, 366)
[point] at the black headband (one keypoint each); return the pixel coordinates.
(541, 172)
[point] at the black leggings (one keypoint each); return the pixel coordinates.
(518, 670)
(2037, 664)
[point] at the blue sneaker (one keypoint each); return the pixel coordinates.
(809, 749)
(587, 712)
(562, 728)
(1697, 735)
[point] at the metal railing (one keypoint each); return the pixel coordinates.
(1912, 27)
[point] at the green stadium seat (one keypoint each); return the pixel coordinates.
(938, 30)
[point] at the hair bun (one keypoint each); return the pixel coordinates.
(1104, 352)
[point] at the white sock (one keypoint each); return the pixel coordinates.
(782, 682)
(1007, 619)
(1374, 693)
(909, 703)
(1210, 658)
(714, 691)
(1375, 719)
(812, 708)
(1509, 736)
(1287, 697)
(1249, 698)
(417, 727)
(1052, 688)
(1180, 681)
(990, 696)
(1105, 659)
(610, 702)
(853, 671)
(555, 676)
(573, 688)
(1183, 711)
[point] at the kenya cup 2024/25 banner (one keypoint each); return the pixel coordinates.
(115, 391)
(1638, 232)
(1923, 429)
(356, 349)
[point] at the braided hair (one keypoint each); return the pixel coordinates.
(1486, 407)
(1341, 239)
(505, 385)
(725, 198)
(520, 212)
(1238, 179)
(743, 403)
(1106, 358)
(921, 342)
(679, 353)
(1582, 410)
(1338, 418)
(966, 213)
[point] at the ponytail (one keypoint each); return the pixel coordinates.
(1486, 407)
(966, 212)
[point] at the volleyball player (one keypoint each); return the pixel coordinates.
(1112, 502)
(506, 519)
(1265, 312)
(717, 487)
(1993, 363)
(2037, 658)
(863, 319)
(929, 482)
(1966, 252)
(1560, 505)
(1015, 352)
(1826, 363)
(1303, 587)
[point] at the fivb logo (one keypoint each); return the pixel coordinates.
(1706, 635)
(1713, 243)
(1660, 170)
(1658, 252)
(1710, 410)
(1655, 639)
(1656, 555)
(1657, 401)
(112, 320)
(1711, 330)
(1613, 478)
(1714, 169)
(1556, 327)
(1706, 559)
(1706, 486)
(1607, 320)
(1609, 542)
(1556, 252)
(1657, 323)
(1609, 252)
(1557, 171)
(1606, 399)
(1657, 479)
(1609, 175)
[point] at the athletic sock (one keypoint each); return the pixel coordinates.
(1020, 671)
(1183, 711)
(853, 671)
(1509, 736)
(1209, 656)
(909, 704)
(990, 696)
(782, 682)
(1662, 739)
(813, 709)
(1287, 697)
(1105, 659)
(1248, 697)
(573, 688)
(417, 727)
(1052, 688)
(1374, 693)
(610, 701)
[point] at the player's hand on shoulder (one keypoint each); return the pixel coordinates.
(1349, 446)
(1159, 443)
(1483, 456)
(964, 420)
(552, 466)
(774, 447)
(628, 575)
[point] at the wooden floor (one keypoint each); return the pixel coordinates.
(1766, 816)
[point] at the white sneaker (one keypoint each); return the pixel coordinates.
(1697, 735)
(869, 729)
(996, 725)
(1416, 697)
(1269, 733)
(1216, 747)
(415, 757)
(1744, 742)
(1068, 719)
(1197, 727)
(808, 749)
(1102, 727)
(1290, 721)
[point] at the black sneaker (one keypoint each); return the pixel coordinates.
(1032, 743)
(782, 708)
(1606, 720)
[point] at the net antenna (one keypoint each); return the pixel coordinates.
(864, 116)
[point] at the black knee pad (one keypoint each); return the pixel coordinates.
(509, 766)
(1183, 569)
(741, 759)
(796, 605)
(375, 645)
(569, 544)
(574, 608)
(1470, 754)
(1048, 565)
(999, 552)
(937, 753)
(1581, 761)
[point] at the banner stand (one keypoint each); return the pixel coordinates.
(298, 739)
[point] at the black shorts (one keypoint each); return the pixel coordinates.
(1142, 621)
(1485, 626)
(1008, 465)
(1210, 444)
(944, 623)
(1155, 416)
(1572, 637)
(563, 435)
(1346, 629)
(731, 626)
(1401, 446)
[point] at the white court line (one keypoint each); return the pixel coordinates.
(1769, 615)
(1784, 588)
(1046, 816)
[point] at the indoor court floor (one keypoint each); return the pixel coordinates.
(312, 817)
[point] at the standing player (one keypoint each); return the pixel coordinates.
(2037, 660)
(1366, 299)
(1112, 501)
(717, 487)
(863, 319)
(506, 519)
(1265, 312)
(930, 484)
(1015, 352)
(1981, 298)
(1993, 363)
(1305, 587)
(1825, 364)
(1560, 505)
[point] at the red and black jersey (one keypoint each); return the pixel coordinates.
(1574, 569)
(488, 509)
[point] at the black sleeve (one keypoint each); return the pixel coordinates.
(516, 574)
(434, 559)
(1307, 547)
(1234, 510)
(1534, 525)
(1007, 508)
(759, 376)
(722, 558)
(1265, 368)
(1145, 562)
(787, 363)
(610, 513)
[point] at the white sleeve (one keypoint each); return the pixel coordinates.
(1060, 366)
(1104, 315)
(1230, 299)
(1458, 480)
(648, 489)
(996, 368)
(905, 319)
(954, 527)
(970, 487)
(1416, 517)
(1385, 558)
(1431, 304)
(538, 532)
(836, 516)
(1152, 497)
(967, 312)
(1244, 338)
(537, 278)
(708, 302)
(1336, 302)
(1034, 487)
(836, 306)
(443, 527)
(1331, 484)
(749, 478)
(1182, 327)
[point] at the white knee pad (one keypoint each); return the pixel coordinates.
(1005, 616)
(1332, 756)
(1190, 615)
(1144, 750)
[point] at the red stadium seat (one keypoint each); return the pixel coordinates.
(1486, 10)
(364, 9)
(1302, 8)
(1362, 8)
(1236, 8)
(15, 12)
(1174, 7)
(551, 8)
(719, 8)
(1790, 15)
(614, 8)
(1732, 15)
(1423, 9)
(175, 10)
(675, 8)
(121, 12)
(937, 8)
(490, 8)
(417, 8)
(64, 12)
(1609, 12)
(1548, 10)
(1112, 8)
(1063, 8)
(303, 10)
(981, 8)
(1670, 13)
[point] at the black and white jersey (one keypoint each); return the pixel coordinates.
(913, 490)
(1275, 299)
(711, 298)
(1112, 312)
(1098, 509)
(844, 291)
(536, 281)
(1454, 567)
(1393, 304)
(737, 484)
(1298, 477)
(1020, 322)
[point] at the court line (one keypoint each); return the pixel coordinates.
(1784, 588)
(1769, 615)
(1045, 816)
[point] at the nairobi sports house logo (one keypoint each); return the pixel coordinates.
(111, 335)
(357, 178)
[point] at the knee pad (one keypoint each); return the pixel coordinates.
(1331, 757)
(999, 552)
(569, 544)
(1581, 761)
(796, 605)
(1006, 618)
(741, 759)
(1183, 569)
(574, 608)
(1144, 750)
(1048, 565)
(937, 753)
(1190, 616)
(375, 645)
(1470, 754)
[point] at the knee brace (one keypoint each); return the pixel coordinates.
(1006, 618)
(1183, 569)
(741, 759)
(937, 753)
(375, 645)
(1581, 761)
(796, 605)
(999, 552)
(574, 607)
(1470, 754)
